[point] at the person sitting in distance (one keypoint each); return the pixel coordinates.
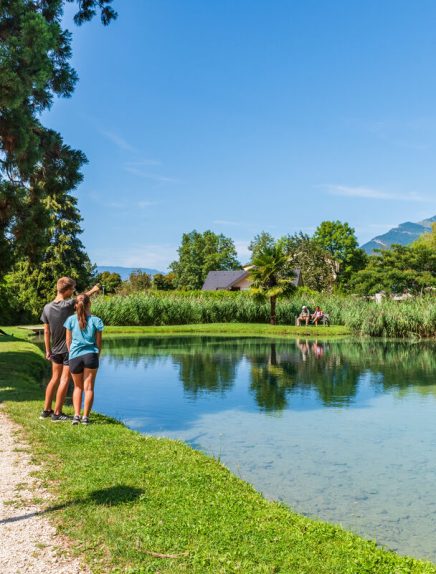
(318, 315)
(304, 316)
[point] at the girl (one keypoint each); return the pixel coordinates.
(84, 335)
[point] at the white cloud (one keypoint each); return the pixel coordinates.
(372, 193)
(119, 141)
(143, 162)
(148, 175)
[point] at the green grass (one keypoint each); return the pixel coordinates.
(122, 497)
(234, 330)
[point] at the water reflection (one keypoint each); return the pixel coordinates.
(279, 370)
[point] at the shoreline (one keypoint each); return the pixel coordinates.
(172, 501)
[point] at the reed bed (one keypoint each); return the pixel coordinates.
(412, 318)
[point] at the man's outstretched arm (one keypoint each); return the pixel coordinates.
(95, 289)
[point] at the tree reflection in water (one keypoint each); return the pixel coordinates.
(280, 369)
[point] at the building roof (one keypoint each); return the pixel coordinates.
(223, 279)
(226, 279)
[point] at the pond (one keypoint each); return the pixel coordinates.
(342, 430)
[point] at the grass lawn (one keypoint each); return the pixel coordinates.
(236, 329)
(139, 504)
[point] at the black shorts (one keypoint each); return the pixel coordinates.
(60, 359)
(88, 361)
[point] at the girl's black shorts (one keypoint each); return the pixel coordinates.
(88, 361)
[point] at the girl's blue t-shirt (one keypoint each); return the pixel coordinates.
(83, 340)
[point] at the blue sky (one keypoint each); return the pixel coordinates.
(246, 115)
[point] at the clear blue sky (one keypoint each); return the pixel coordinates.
(246, 115)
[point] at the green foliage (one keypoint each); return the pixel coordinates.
(340, 241)
(32, 280)
(318, 268)
(109, 281)
(271, 275)
(427, 239)
(139, 281)
(36, 168)
(262, 241)
(398, 269)
(163, 282)
(415, 317)
(200, 253)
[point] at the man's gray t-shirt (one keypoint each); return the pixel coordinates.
(55, 314)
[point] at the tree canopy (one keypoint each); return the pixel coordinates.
(200, 253)
(318, 268)
(398, 269)
(340, 241)
(39, 218)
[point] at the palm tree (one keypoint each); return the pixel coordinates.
(271, 275)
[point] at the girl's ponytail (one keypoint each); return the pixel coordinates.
(82, 304)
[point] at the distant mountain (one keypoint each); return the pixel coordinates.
(125, 271)
(404, 234)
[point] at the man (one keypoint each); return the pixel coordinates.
(304, 316)
(54, 316)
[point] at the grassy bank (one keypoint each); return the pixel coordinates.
(411, 318)
(233, 330)
(138, 504)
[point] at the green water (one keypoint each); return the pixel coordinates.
(341, 430)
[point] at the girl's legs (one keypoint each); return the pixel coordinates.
(77, 393)
(89, 380)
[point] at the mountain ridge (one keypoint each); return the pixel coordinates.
(405, 234)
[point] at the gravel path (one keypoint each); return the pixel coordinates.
(29, 543)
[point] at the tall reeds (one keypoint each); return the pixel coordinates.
(415, 317)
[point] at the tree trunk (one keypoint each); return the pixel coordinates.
(273, 356)
(273, 311)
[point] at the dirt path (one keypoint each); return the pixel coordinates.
(29, 543)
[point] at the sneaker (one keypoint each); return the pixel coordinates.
(59, 418)
(46, 414)
(76, 419)
(85, 421)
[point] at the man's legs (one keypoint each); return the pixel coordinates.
(56, 373)
(62, 389)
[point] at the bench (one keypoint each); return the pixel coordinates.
(36, 329)
(325, 320)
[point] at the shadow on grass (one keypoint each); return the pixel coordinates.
(111, 496)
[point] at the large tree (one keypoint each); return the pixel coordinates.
(271, 275)
(200, 253)
(35, 52)
(261, 241)
(339, 239)
(398, 269)
(318, 267)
